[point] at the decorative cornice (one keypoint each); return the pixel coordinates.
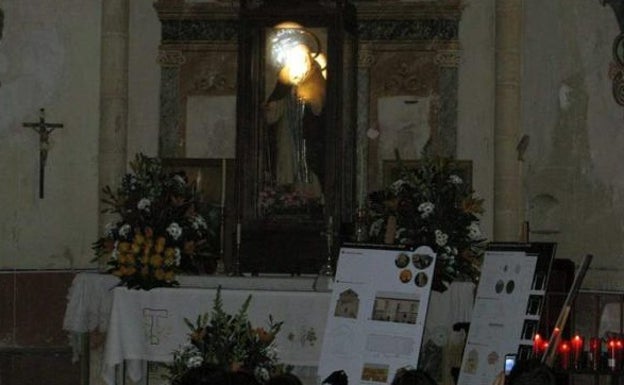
(199, 30)
(429, 29)
(395, 21)
(171, 58)
(447, 58)
(400, 10)
(181, 10)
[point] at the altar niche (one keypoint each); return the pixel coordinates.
(406, 57)
(295, 133)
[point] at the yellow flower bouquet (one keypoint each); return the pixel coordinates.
(160, 230)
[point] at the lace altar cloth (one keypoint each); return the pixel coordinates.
(144, 326)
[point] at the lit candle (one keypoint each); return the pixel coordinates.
(595, 352)
(619, 347)
(577, 346)
(564, 355)
(611, 361)
(537, 345)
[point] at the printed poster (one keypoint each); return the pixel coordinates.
(377, 313)
(498, 315)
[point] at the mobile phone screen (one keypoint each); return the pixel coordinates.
(510, 360)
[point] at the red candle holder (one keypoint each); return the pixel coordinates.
(564, 355)
(538, 345)
(619, 354)
(612, 360)
(595, 353)
(577, 350)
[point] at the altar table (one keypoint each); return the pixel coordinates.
(149, 325)
(144, 326)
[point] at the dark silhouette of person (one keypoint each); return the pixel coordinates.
(284, 379)
(413, 377)
(215, 375)
(531, 372)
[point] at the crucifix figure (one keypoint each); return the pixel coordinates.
(44, 129)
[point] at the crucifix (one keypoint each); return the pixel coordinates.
(44, 129)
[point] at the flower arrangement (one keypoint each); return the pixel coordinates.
(286, 199)
(227, 342)
(431, 205)
(159, 231)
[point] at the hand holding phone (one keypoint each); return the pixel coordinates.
(510, 361)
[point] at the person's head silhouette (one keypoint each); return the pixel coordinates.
(413, 377)
(531, 372)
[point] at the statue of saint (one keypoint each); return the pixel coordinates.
(295, 127)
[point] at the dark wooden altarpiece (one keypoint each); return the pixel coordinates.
(373, 51)
(295, 239)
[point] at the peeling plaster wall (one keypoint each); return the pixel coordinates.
(49, 58)
(574, 177)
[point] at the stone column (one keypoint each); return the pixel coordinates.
(170, 139)
(508, 210)
(447, 61)
(113, 96)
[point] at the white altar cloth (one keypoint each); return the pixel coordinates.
(90, 296)
(93, 296)
(146, 326)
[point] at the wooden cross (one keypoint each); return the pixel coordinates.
(44, 130)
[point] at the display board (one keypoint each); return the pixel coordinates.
(377, 312)
(507, 308)
(545, 253)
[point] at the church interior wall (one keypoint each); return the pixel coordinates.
(50, 58)
(144, 75)
(573, 179)
(57, 67)
(475, 112)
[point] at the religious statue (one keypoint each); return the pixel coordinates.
(294, 120)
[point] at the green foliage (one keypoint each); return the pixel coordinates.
(162, 227)
(229, 342)
(433, 206)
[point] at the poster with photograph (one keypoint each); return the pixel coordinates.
(377, 312)
(498, 315)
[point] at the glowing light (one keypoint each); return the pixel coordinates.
(321, 59)
(297, 63)
(292, 51)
